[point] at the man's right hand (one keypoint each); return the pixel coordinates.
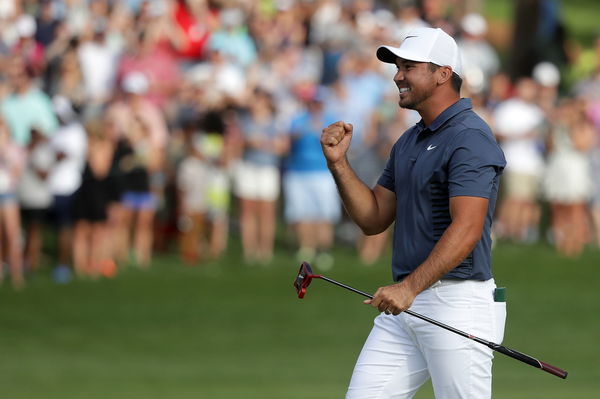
(335, 141)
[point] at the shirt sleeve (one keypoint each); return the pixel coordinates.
(474, 165)
(388, 176)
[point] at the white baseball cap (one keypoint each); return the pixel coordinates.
(546, 74)
(425, 45)
(26, 26)
(474, 24)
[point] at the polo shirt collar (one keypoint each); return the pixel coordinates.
(456, 108)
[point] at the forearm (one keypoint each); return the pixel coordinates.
(359, 200)
(373, 210)
(454, 246)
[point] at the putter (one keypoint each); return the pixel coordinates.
(305, 276)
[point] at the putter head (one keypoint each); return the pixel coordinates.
(303, 279)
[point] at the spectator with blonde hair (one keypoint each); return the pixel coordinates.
(518, 124)
(91, 246)
(142, 133)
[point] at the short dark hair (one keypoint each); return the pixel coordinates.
(456, 80)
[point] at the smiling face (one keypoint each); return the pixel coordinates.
(415, 82)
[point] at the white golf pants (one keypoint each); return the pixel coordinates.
(402, 351)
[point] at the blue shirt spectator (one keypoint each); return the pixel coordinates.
(305, 131)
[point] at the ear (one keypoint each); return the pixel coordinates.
(444, 74)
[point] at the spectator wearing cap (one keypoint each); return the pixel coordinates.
(27, 45)
(539, 34)
(480, 60)
(134, 104)
(220, 76)
(548, 78)
(519, 125)
(150, 53)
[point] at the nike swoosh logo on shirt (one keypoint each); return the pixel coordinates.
(431, 147)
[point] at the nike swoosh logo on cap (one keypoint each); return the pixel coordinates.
(431, 147)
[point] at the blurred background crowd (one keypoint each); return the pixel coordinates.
(136, 126)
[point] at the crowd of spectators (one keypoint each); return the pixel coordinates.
(128, 126)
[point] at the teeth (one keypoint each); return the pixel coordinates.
(404, 89)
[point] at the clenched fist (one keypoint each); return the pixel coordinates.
(335, 140)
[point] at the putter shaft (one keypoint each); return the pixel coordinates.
(496, 347)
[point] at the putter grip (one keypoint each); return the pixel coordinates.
(553, 370)
(532, 361)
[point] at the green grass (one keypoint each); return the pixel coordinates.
(225, 330)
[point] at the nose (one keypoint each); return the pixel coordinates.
(399, 76)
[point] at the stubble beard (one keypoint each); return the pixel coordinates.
(409, 103)
(414, 99)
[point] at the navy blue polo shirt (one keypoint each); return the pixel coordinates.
(456, 155)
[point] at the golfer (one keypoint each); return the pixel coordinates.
(439, 187)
